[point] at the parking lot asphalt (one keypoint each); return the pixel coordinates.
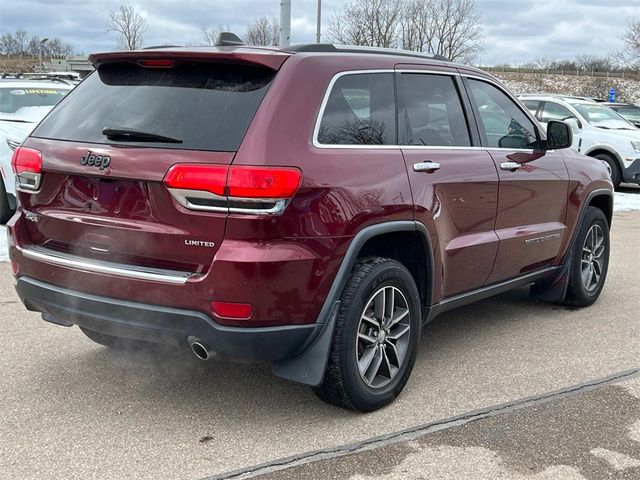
(73, 409)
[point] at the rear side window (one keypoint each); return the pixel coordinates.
(360, 110)
(434, 115)
(501, 121)
(207, 106)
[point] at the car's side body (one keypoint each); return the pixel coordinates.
(589, 139)
(465, 230)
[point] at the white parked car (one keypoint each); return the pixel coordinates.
(598, 131)
(23, 103)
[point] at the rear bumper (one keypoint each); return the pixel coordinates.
(158, 324)
(631, 174)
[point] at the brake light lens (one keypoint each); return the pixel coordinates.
(236, 311)
(207, 178)
(26, 160)
(236, 181)
(156, 63)
(256, 182)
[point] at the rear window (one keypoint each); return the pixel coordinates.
(206, 106)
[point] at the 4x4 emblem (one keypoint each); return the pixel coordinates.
(92, 160)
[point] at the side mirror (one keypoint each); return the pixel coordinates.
(559, 135)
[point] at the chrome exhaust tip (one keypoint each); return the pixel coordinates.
(199, 349)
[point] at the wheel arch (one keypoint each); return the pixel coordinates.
(309, 366)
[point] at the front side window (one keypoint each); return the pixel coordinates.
(504, 125)
(361, 110)
(434, 115)
(555, 111)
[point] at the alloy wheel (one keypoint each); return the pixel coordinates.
(383, 337)
(592, 265)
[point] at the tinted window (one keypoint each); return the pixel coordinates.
(555, 111)
(434, 115)
(502, 122)
(532, 106)
(207, 106)
(360, 111)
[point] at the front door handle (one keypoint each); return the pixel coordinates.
(428, 167)
(510, 166)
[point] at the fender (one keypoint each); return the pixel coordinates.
(607, 148)
(555, 289)
(308, 368)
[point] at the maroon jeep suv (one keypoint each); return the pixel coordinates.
(312, 207)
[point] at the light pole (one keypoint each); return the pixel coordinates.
(42, 42)
(285, 23)
(319, 22)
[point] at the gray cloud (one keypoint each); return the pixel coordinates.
(515, 31)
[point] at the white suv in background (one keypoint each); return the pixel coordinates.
(23, 103)
(598, 131)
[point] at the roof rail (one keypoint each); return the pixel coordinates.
(331, 48)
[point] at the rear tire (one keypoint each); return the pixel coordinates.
(616, 174)
(5, 210)
(589, 260)
(117, 343)
(376, 337)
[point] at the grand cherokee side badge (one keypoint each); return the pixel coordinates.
(92, 160)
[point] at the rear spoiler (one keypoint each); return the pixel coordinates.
(263, 57)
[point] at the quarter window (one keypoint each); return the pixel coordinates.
(433, 115)
(504, 125)
(360, 110)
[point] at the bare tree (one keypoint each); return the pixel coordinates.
(129, 25)
(373, 23)
(453, 29)
(630, 56)
(263, 32)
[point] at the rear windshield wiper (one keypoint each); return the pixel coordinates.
(131, 134)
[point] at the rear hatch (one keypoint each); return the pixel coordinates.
(107, 147)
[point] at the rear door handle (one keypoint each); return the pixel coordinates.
(510, 166)
(428, 167)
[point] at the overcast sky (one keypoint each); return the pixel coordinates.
(516, 31)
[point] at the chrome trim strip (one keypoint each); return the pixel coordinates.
(107, 268)
(274, 206)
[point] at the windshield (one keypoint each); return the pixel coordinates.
(28, 104)
(602, 116)
(630, 113)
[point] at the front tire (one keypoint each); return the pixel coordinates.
(616, 174)
(376, 337)
(589, 260)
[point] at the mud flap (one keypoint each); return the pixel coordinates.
(555, 289)
(308, 368)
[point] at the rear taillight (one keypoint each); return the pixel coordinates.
(27, 165)
(235, 189)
